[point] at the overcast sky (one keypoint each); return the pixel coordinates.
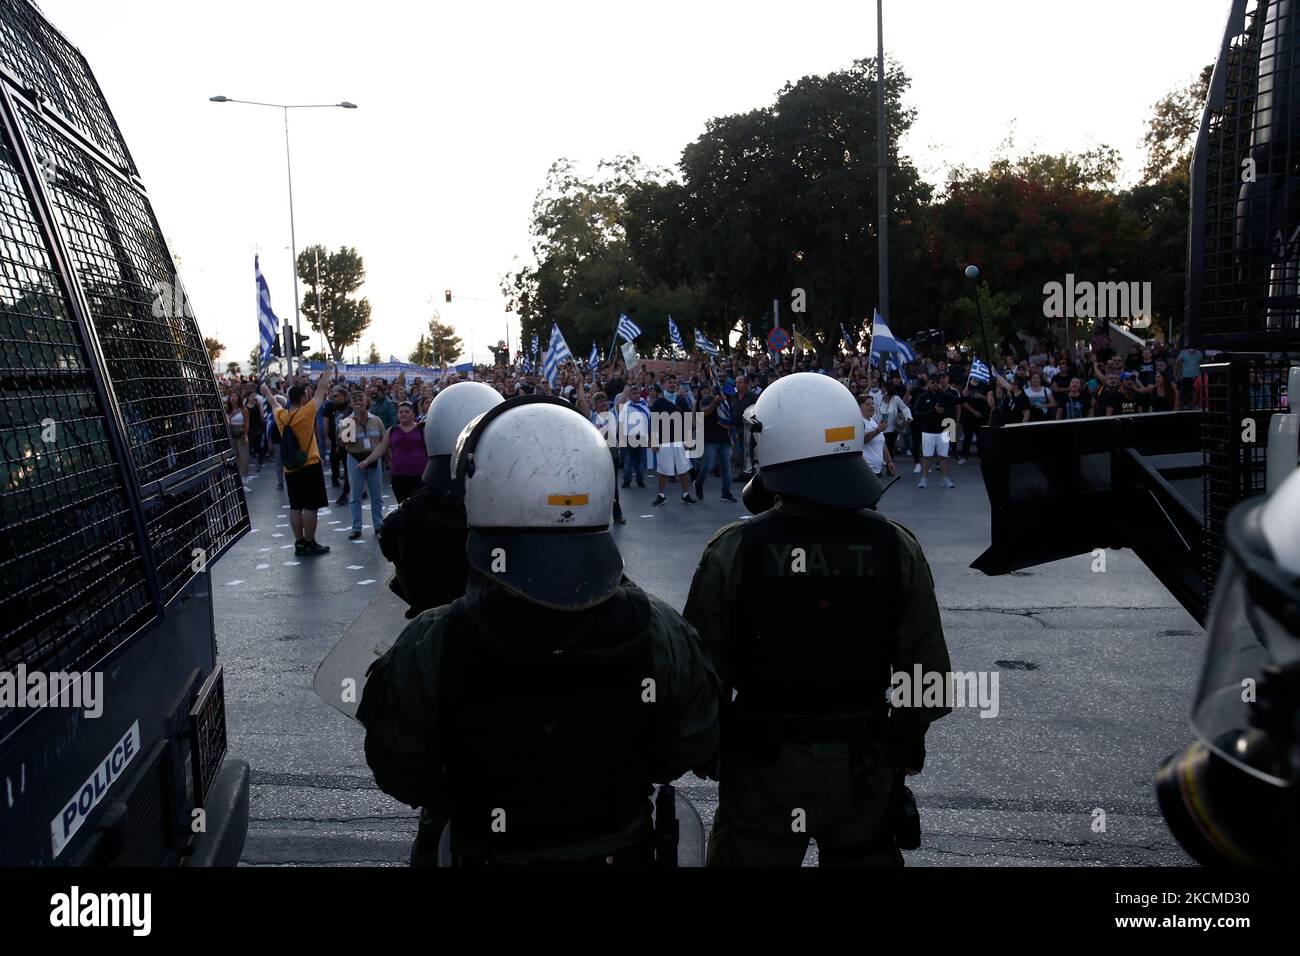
(464, 106)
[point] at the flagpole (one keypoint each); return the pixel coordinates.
(882, 159)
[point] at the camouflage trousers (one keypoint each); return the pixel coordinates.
(768, 811)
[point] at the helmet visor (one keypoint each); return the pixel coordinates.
(1247, 637)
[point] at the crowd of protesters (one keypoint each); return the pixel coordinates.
(366, 427)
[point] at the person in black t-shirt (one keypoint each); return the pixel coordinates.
(1108, 397)
(935, 407)
(1013, 405)
(1074, 403)
(974, 414)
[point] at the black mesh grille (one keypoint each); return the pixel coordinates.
(72, 580)
(150, 341)
(208, 726)
(149, 839)
(1244, 281)
(45, 61)
(1246, 390)
(206, 514)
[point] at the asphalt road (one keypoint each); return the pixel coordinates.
(1096, 671)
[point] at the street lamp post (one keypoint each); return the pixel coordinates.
(293, 238)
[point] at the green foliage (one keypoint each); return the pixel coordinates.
(343, 318)
(444, 344)
(214, 348)
(372, 357)
(1172, 131)
(422, 354)
(783, 198)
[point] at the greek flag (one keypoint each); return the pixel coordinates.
(268, 325)
(749, 335)
(627, 328)
(892, 366)
(534, 346)
(675, 335)
(594, 358)
(556, 352)
(979, 372)
(704, 344)
(724, 411)
(882, 338)
(847, 339)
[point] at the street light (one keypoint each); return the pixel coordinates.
(973, 273)
(293, 238)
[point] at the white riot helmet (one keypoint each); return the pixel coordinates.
(451, 410)
(539, 498)
(809, 435)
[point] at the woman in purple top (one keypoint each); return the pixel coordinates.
(406, 442)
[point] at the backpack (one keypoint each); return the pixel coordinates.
(292, 456)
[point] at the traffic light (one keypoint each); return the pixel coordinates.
(303, 348)
(277, 348)
(448, 294)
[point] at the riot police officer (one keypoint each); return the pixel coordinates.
(536, 710)
(425, 537)
(808, 609)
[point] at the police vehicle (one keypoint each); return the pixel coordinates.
(120, 491)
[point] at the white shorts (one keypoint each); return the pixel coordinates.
(671, 460)
(934, 443)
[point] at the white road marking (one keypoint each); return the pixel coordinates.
(367, 581)
(231, 584)
(292, 564)
(261, 567)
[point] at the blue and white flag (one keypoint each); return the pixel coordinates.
(268, 325)
(534, 346)
(594, 358)
(979, 372)
(627, 328)
(702, 343)
(749, 335)
(892, 366)
(556, 352)
(853, 346)
(675, 335)
(882, 338)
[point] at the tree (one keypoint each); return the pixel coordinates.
(783, 198)
(232, 368)
(1161, 200)
(214, 347)
(584, 275)
(373, 357)
(1175, 119)
(422, 354)
(255, 357)
(342, 273)
(444, 344)
(1027, 222)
